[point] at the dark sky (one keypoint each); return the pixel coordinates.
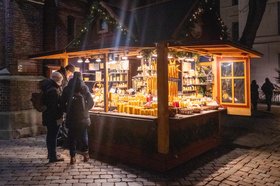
(131, 3)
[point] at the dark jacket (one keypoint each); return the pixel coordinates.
(51, 98)
(254, 92)
(67, 95)
(267, 88)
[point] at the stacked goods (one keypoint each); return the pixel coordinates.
(173, 71)
(152, 85)
(172, 88)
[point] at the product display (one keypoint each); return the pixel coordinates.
(189, 86)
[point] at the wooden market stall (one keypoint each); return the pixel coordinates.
(161, 85)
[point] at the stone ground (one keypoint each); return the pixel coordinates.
(249, 155)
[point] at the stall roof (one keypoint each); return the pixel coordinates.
(152, 24)
(218, 48)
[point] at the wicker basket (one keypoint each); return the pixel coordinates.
(186, 111)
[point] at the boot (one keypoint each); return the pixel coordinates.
(54, 158)
(86, 156)
(73, 160)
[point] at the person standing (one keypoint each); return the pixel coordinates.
(254, 94)
(66, 72)
(76, 101)
(267, 89)
(51, 99)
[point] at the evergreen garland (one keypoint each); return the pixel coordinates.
(278, 78)
(96, 11)
(203, 8)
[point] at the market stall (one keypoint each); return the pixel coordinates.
(159, 104)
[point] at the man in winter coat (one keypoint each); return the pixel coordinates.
(66, 72)
(267, 89)
(77, 101)
(51, 99)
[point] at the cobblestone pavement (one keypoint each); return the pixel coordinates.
(23, 162)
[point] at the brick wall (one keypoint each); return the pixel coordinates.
(23, 36)
(27, 34)
(25, 24)
(2, 33)
(4, 95)
(67, 8)
(15, 92)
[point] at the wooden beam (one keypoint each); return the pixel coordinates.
(65, 61)
(162, 93)
(106, 81)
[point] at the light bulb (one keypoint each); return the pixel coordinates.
(87, 60)
(80, 60)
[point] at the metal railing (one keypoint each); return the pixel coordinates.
(275, 97)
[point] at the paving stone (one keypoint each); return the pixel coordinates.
(120, 184)
(88, 180)
(228, 182)
(258, 166)
(213, 182)
(108, 184)
(72, 181)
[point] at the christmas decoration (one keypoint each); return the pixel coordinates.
(96, 11)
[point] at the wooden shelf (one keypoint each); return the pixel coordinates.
(117, 81)
(94, 81)
(117, 73)
(173, 79)
(188, 90)
(189, 77)
(200, 84)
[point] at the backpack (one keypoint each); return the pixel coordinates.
(77, 108)
(37, 98)
(37, 101)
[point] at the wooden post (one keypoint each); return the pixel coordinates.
(65, 61)
(106, 83)
(162, 94)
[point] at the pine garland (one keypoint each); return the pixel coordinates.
(96, 11)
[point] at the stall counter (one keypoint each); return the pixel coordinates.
(132, 139)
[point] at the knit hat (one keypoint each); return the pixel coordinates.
(70, 68)
(57, 77)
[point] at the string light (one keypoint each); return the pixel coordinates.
(87, 60)
(98, 11)
(98, 60)
(196, 16)
(80, 60)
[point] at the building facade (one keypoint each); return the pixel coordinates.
(28, 27)
(234, 14)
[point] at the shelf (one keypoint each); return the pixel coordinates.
(90, 73)
(189, 91)
(147, 70)
(117, 73)
(117, 81)
(200, 84)
(94, 81)
(140, 76)
(173, 79)
(189, 77)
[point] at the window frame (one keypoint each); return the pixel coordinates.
(232, 77)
